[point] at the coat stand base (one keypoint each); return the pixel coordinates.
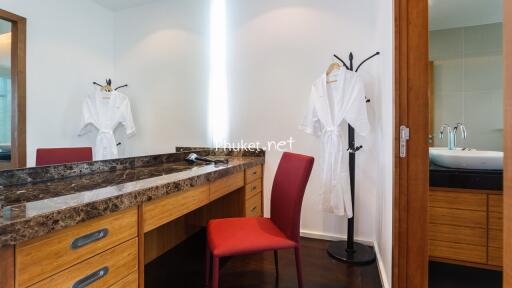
(360, 255)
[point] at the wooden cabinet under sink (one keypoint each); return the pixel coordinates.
(465, 227)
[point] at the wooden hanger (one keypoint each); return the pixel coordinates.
(333, 67)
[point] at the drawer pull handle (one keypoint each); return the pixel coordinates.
(253, 209)
(89, 238)
(91, 278)
(254, 173)
(254, 188)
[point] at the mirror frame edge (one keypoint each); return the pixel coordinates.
(19, 89)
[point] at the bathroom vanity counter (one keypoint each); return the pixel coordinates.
(37, 201)
(466, 179)
(101, 222)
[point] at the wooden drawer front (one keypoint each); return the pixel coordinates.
(466, 218)
(131, 281)
(496, 221)
(252, 189)
(457, 251)
(458, 234)
(168, 208)
(226, 185)
(495, 238)
(115, 264)
(496, 203)
(253, 173)
(495, 256)
(39, 258)
(458, 200)
(253, 206)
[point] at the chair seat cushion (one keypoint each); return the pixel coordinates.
(235, 236)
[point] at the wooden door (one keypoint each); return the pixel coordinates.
(410, 251)
(507, 177)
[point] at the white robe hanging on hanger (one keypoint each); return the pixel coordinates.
(331, 104)
(105, 111)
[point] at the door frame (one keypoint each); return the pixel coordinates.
(410, 244)
(18, 79)
(410, 199)
(507, 163)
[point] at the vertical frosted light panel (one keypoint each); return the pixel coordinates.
(218, 98)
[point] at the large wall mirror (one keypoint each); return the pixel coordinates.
(466, 54)
(12, 90)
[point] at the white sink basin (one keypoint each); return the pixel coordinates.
(474, 159)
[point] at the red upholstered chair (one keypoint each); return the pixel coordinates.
(237, 236)
(53, 156)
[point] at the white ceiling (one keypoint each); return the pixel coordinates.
(445, 14)
(116, 5)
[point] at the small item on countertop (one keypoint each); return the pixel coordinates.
(194, 158)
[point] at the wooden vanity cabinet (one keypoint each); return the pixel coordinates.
(495, 232)
(465, 227)
(254, 192)
(90, 250)
(110, 251)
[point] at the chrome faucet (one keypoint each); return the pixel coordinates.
(452, 134)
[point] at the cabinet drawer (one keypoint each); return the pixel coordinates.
(253, 173)
(458, 200)
(496, 203)
(131, 281)
(168, 208)
(252, 189)
(496, 221)
(495, 238)
(39, 258)
(457, 251)
(458, 234)
(495, 256)
(253, 206)
(226, 185)
(102, 270)
(466, 218)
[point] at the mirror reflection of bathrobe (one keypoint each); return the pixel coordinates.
(330, 104)
(104, 111)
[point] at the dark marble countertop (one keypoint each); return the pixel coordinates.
(37, 201)
(465, 178)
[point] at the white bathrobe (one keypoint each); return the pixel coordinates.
(104, 111)
(330, 105)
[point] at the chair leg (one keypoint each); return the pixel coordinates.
(276, 262)
(215, 280)
(208, 261)
(298, 263)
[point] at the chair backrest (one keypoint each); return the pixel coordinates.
(53, 156)
(288, 189)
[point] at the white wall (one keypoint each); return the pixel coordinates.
(161, 50)
(278, 48)
(384, 214)
(69, 45)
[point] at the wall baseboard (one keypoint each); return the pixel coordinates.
(332, 237)
(383, 275)
(336, 237)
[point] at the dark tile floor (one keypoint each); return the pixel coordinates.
(183, 266)
(442, 275)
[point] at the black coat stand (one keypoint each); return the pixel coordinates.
(349, 251)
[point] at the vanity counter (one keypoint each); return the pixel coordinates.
(466, 179)
(37, 201)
